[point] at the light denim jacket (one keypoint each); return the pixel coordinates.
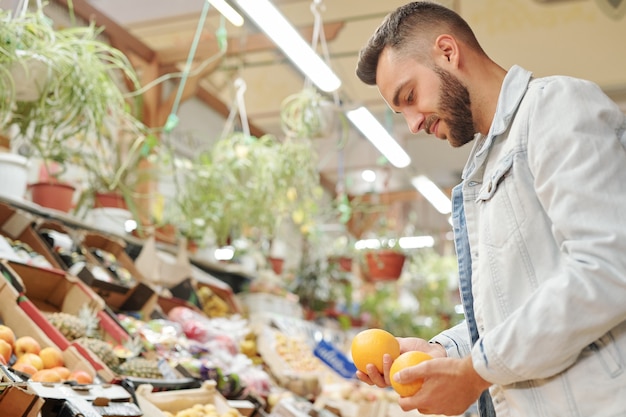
(541, 244)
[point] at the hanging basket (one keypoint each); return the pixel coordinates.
(309, 115)
(383, 265)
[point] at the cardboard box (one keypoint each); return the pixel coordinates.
(19, 402)
(89, 240)
(141, 297)
(19, 225)
(83, 270)
(163, 268)
(154, 403)
(53, 290)
(64, 238)
(46, 290)
(168, 303)
(90, 400)
(219, 287)
(14, 316)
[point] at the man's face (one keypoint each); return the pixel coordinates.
(429, 98)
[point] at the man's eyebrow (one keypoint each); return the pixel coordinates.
(396, 95)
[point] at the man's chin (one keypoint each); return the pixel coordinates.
(457, 143)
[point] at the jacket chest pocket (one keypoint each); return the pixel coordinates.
(500, 208)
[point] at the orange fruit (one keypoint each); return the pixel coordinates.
(80, 376)
(63, 372)
(46, 375)
(369, 346)
(405, 360)
(25, 367)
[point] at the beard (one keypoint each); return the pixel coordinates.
(455, 109)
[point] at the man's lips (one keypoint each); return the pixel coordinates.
(431, 128)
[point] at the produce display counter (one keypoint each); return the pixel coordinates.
(157, 335)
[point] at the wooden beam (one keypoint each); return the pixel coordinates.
(119, 37)
(152, 96)
(252, 43)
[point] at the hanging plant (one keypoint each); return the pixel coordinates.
(74, 76)
(246, 185)
(308, 114)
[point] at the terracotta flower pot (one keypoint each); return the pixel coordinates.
(111, 199)
(277, 265)
(384, 265)
(344, 262)
(52, 194)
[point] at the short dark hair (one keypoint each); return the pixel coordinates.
(407, 28)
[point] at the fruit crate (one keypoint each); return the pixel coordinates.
(16, 401)
(139, 297)
(19, 225)
(15, 317)
(39, 291)
(52, 290)
(154, 404)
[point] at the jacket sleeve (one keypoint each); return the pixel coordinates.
(455, 340)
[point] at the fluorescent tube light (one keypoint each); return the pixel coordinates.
(378, 135)
(227, 11)
(433, 194)
(279, 30)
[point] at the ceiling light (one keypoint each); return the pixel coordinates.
(227, 11)
(378, 135)
(433, 194)
(368, 175)
(279, 30)
(416, 242)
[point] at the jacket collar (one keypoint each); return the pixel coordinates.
(513, 90)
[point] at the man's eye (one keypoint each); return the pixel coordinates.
(409, 98)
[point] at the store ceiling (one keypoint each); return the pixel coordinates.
(161, 32)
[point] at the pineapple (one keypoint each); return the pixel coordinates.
(89, 316)
(86, 324)
(103, 350)
(141, 368)
(69, 325)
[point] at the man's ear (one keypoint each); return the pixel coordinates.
(446, 50)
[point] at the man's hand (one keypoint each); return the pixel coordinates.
(450, 386)
(373, 377)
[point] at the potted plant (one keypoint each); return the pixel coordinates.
(380, 255)
(319, 284)
(112, 161)
(57, 86)
(422, 303)
(248, 187)
(341, 251)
